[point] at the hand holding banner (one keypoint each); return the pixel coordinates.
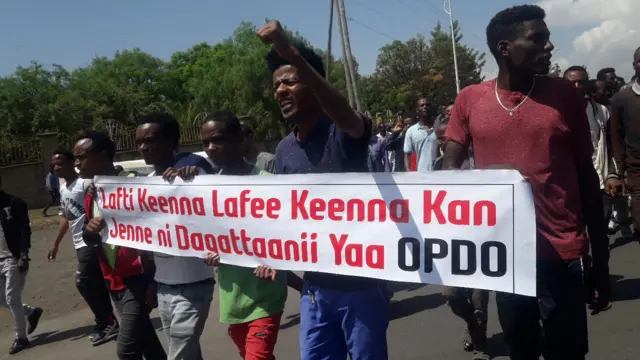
(452, 228)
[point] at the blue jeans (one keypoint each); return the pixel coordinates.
(336, 323)
(183, 311)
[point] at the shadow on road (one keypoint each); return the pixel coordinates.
(292, 320)
(496, 345)
(57, 336)
(75, 334)
(625, 289)
(409, 306)
(157, 323)
(402, 286)
(620, 242)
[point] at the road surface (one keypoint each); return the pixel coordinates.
(422, 326)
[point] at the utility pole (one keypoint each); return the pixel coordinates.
(328, 61)
(347, 70)
(349, 56)
(447, 9)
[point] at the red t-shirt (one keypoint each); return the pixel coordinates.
(414, 162)
(544, 139)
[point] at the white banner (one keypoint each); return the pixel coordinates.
(472, 229)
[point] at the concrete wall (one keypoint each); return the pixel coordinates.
(27, 181)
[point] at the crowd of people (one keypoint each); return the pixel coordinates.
(575, 140)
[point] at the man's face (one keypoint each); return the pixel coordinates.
(407, 123)
(578, 79)
(531, 49)
(292, 96)
(61, 165)
(88, 162)
(153, 147)
(636, 63)
(447, 112)
(221, 146)
(601, 93)
(612, 80)
(422, 108)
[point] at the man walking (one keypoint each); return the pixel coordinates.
(340, 315)
(89, 279)
(599, 126)
(538, 125)
(625, 139)
(185, 284)
(421, 139)
(15, 242)
(128, 272)
(251, 300)
(52, 184)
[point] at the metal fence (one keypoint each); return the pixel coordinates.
(30, 150)
(16, 153)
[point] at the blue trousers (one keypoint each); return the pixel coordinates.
(336, 323)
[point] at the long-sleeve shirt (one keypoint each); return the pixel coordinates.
(14, 220)
(625, 130)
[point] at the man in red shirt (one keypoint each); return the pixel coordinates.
(537, 125)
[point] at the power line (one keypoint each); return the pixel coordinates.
(371, 29)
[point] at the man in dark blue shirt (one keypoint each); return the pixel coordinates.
(340, 315)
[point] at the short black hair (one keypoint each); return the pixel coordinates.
(169, 126)
(66, 153)
(228, 118)
(275, 61)
(505, 24)
(100, 142)
(603, 72)
(576, 68)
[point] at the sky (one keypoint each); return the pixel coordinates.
(596, 33)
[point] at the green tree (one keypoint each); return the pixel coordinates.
(420, 67)
(111, 93)
(555, 70)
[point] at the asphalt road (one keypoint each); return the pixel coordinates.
(422, 326)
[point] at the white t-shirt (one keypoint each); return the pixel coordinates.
(175, 270)
(72, 208)
(598, 118)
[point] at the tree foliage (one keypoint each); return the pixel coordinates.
(420, 67)
(111, 93)
(555, 70)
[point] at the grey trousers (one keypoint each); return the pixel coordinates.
(12, 283)
(184, 310)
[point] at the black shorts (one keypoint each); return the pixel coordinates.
(560, 307)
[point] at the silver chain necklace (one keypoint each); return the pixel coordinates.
(512, 111)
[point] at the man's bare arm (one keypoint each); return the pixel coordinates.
(62, 231)
(407, 161)
(454, 155)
